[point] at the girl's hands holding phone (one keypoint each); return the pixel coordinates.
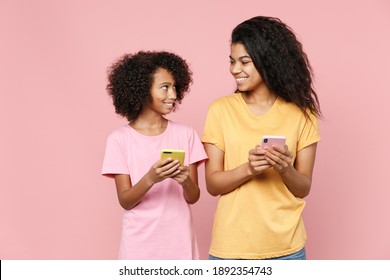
(183, 175)
(169, 168)
(163, 169)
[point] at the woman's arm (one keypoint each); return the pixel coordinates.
(297, 178)
(129, 195)
(221, 182)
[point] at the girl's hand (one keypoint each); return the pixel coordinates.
(161, 170)
(280, 158)
(183, 176)
(257, 161)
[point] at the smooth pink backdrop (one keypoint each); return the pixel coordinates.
(55, 116)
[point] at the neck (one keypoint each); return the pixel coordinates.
(150, 125)
(259, 102)
(262, 97)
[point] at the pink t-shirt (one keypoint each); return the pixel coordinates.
(160, 226)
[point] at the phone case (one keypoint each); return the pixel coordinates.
(173, 154)
(269, 140)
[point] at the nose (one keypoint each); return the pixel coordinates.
(235, 68)
(172, 93)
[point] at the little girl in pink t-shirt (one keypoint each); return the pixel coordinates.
(156, 194)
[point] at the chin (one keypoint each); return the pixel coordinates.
(167, 113)
(242, 89)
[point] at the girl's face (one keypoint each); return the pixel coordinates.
(163, 92)
(243, 69)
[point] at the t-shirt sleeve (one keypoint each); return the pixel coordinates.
(197, 152)
(309, 132)
(114, 158)
(213, 130)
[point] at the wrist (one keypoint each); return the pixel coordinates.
(148, 181)
(186, 183)
(249, 171)
(284, 170)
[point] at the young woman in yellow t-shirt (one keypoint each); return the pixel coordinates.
(261, 190)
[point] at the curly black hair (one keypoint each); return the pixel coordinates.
(131, 76)
(279, 58)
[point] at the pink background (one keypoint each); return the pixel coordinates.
(55, 116)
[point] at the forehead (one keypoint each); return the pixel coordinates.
(162, 75)
(238, 50)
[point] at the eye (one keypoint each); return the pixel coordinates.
(165, 87)
(245, 62)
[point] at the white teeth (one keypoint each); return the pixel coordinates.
(240, 79)
(168, 104)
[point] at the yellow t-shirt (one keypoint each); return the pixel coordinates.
(261, 218)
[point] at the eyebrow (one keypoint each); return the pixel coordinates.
(166, 83)
(241, 57)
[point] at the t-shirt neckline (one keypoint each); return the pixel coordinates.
(149, 136)
(253, 114)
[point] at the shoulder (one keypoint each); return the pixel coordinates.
(291, 110)
(119, 133)
(288, 106)
(225, 101)
(184, 133)
(179, 127)
(231, 98)
(290, 113)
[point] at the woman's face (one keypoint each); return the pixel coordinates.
(163, 92)
(243, 69)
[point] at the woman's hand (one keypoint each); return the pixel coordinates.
(257, 161)
(297, 177)
(278, 157)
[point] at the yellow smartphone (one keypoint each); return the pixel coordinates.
(173, 154)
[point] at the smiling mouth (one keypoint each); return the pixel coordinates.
(241, 79)
(169, 104)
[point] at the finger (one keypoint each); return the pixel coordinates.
(259, 165)
(275, 153)
(173, 168)
(283, 159)
(288, 154)
(278, 163)
(279, 149)
(169, 165)
(256, 151)
(168, 169)
(171, 174)
(161, 163)
(278, 168)
(274, 158)
(256, 157)
(271, 161)
(183, 168)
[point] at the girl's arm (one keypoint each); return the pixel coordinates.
(221, 182)
(129, 195)
(188, 179)
(297, 178)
